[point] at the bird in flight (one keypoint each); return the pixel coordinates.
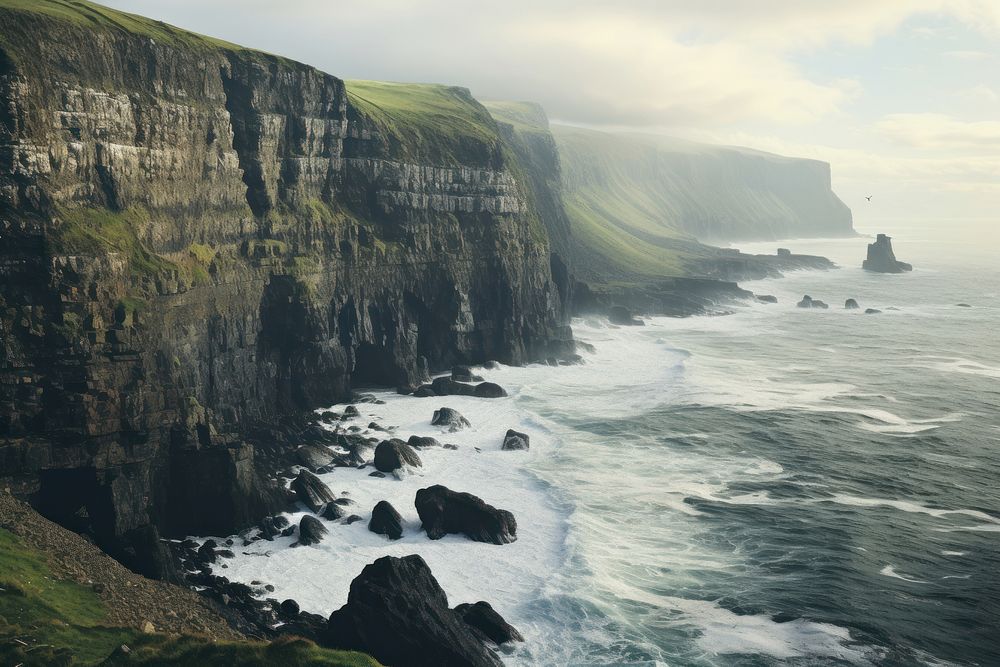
(868, 197)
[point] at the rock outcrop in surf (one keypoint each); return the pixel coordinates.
(881, 258)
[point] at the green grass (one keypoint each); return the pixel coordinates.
(38, 609)
(288, 652)
(427, 123)
(526, 117)
(88, 230)
(46, 621)
(91, 15)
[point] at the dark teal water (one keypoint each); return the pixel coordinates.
(782, 486)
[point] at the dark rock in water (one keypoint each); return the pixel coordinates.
(354, 518)
(386, 521)
(444, 511)
(397, 613)
(872, 311)
(420, 441)
(350, 411)
(491, 365)
(445, 386)
(882, 259)
(271, 527)
(767, 298)
(851, 304)
(424, 391)
(622, 315)
(963, 305)
(311, 491)
(376, 474)
(489, 390)
(343, 502)
(450, 446)
(329, 417)
(809, 302)
(288, 532)
(332, 512)
(288, 609)
(514, 440)
(464, 374)
(375, 426)
(391, 455)
(487, 623)
(450, 418)
(311, 530)
(313, 456)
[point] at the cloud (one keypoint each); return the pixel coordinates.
(644, 62)
(981, 93)
(940, 131)
(969, 55)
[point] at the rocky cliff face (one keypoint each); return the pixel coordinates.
(881, 258)
(196, 237)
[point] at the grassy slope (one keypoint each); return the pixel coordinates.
(615, 220)
(427, 123)
(48, 621)
(93, 15)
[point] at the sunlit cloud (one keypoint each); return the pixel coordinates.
(940, 131)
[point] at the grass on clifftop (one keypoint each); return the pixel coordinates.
(91, 15)
(427, 123)
(47, 621)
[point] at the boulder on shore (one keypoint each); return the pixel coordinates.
(489, 390)
(443, 511)
(767, 298)
(453, 419)
(386, 521)
(464, 374)
(311, 491)
(623, 316)
(421, 441)
(397, 612)
(311, 530)
(514, 440)
(487, 623)
(391, 455)
(851, 304)
(872, 311)
(881, 258)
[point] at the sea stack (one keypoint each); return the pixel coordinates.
(881, 259)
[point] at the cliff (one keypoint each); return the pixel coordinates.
(197, 238)
(611, 219)
(653, 187)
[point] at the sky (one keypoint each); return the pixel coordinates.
(902, 97)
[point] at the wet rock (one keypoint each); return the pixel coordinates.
(311, 491)
(329, 417)
(851, 304)
(288, 609)
(311, 530)
(420, 441)
(464, 374)
(487, 623)
(623, 316)
(354, 518)
(449, 418)
(809, 302)
(391, 455)
(963, 305)
(332, 512)
(386, 521)
(489, 390)
(882, 259)
(376, 474)
(397, 613)
(514, 440)
(872, 311)
(767, 298)
(271, 526)
(313, 456)
(350, 412)
(444, 511)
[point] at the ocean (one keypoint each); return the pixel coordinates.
(772, 486)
